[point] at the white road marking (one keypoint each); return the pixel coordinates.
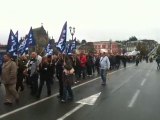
(85, 101)
(134, 98)
(71, 112)
(54, 95)
(89, 100)
(144, 80)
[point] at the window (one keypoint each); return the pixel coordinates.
(103, 46)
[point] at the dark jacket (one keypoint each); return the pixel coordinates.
(21, 67)
(68, 75)
(44, 70)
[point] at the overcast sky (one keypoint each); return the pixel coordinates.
(94, 20)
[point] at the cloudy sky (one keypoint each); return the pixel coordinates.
(94, 20)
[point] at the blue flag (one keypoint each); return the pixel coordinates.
(23, 48)
(30, 39)
(12, 44)
(66, 49)
(16, 35)
(49, 49)
(61, 45)
(72, 47)
(25, 44)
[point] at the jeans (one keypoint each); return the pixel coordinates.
(48, 84)
(19, 83)
(67, 92)
(83, 71)
(103, 73)
(59, 75)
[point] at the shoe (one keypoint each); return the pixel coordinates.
(8, 103)
(59, 97)
(70, 98)
(63, 101)
(103, 84)
(17, 100)
(22, 89)
(38, 96)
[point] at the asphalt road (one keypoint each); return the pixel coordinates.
(130, 94)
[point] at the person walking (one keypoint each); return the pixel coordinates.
(97, 64)
(33, 65)
(104, 66)
(59, 73)
(77, 68)
(83, 61)
(51, 68)
(124, 60)
(45, 75)
(67, 80)
(20, 76)
(158, 62)
(89, 65)
(9, 79)
(137, 60)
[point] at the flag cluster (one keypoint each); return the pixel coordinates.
(16, 49)
(62, 46)
(72, 46)
(12, 44)
(26, 43)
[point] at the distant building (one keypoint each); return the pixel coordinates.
(132, 45)
(40, 34)
(86, 48)
(3, 48)
(41, 38)
(151, 44)
(108, 46)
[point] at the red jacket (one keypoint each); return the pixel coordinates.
(83, 60)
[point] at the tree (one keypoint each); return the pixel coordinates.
(133, 38)
(142, 48)
(77, 42)
(90, 47)
(83, 42)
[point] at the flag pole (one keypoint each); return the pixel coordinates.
(35, 48)
(41, 51)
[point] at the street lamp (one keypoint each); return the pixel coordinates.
(72, 31)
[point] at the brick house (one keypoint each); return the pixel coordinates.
(108, 46)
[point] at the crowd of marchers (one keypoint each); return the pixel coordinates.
(34, 71)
